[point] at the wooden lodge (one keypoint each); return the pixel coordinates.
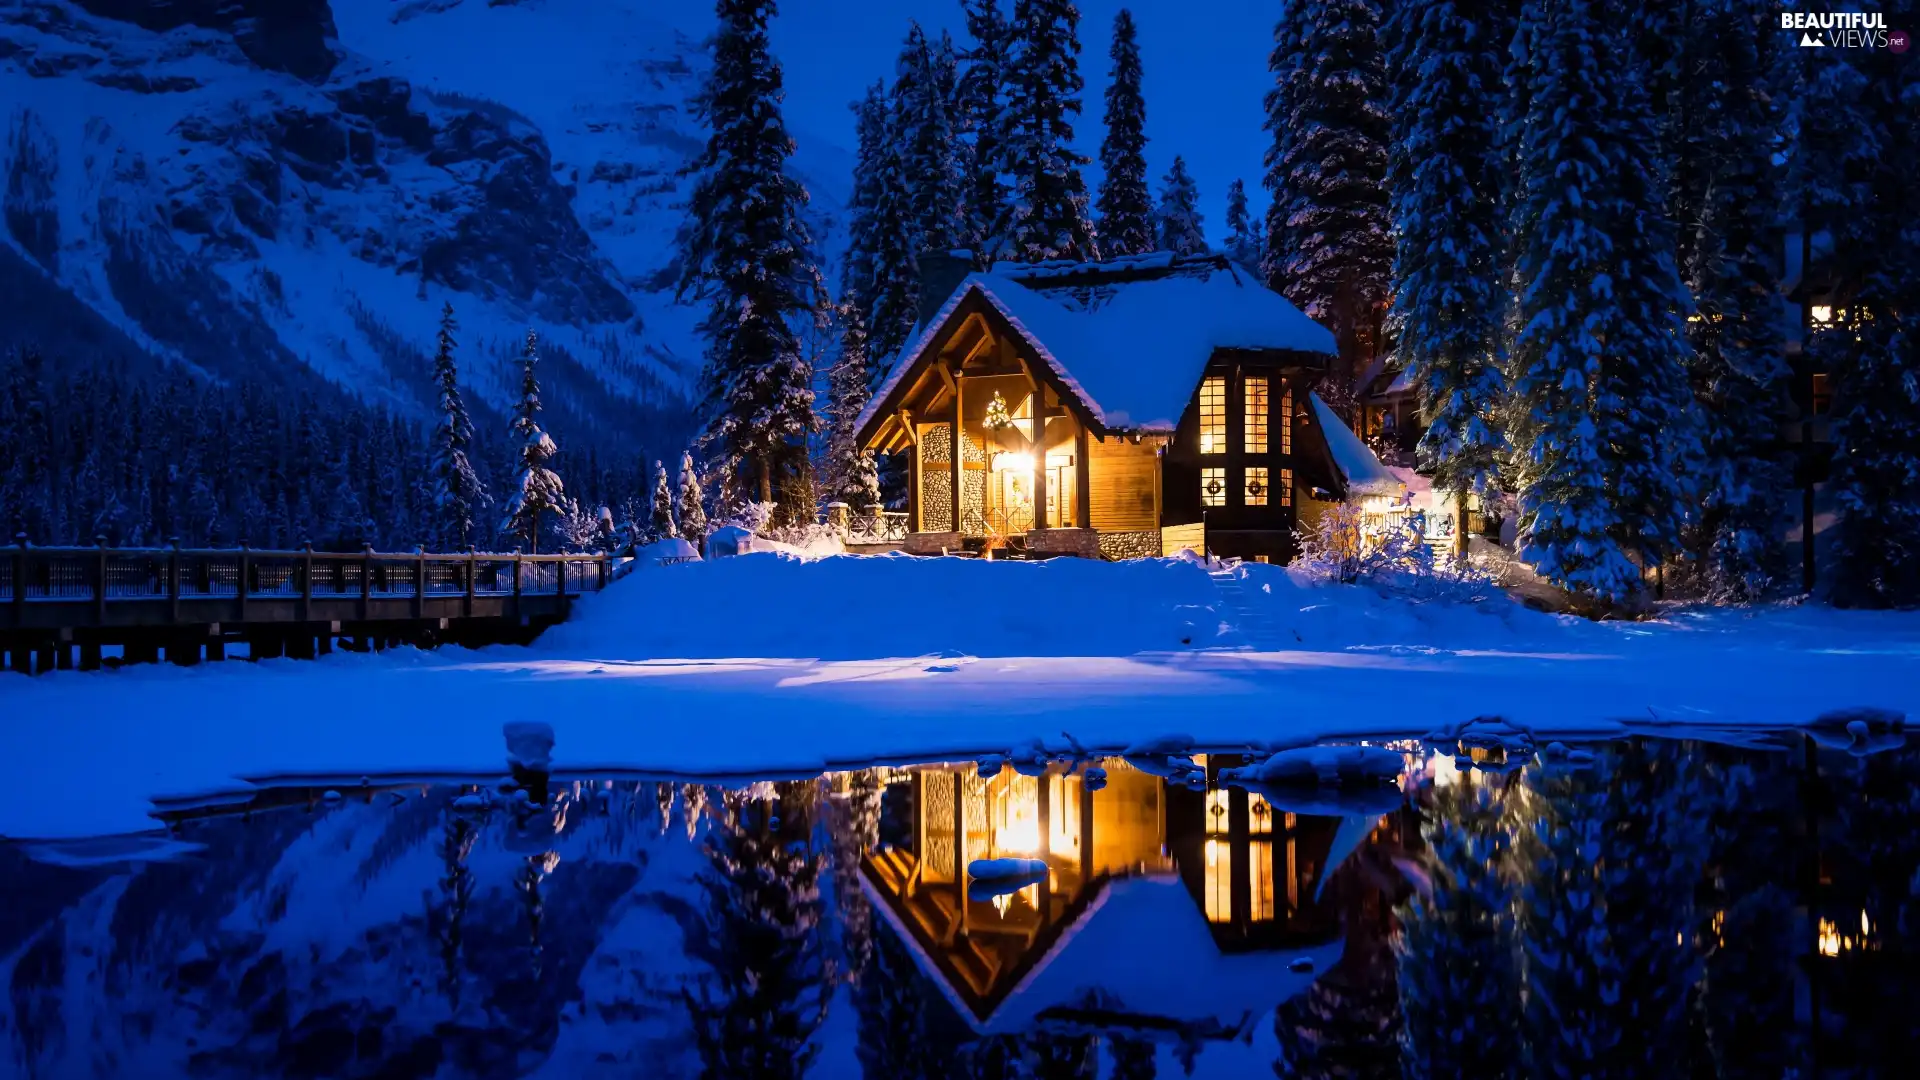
(1183, 913)
(1116, 409)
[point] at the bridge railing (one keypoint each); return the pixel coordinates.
(103, 574)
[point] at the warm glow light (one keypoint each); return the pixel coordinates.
(1829, 938)
(1822, 313)
(1021, 836)
(1213, 852)
(1014, 462)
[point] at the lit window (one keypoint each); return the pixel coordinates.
(1256, 410)
(1213, 416)
(1257, 487)
(1286, 487)
(1213, 487)
(1260, 861)
(1822, 313)
(1286, 420)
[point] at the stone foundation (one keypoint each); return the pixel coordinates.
(1084, 543)
(931, 543)
(1130, 545)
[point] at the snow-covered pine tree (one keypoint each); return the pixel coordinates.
(982, 101)
(1563, 264)
(1874, 351)
(924, 131)
(848, 474)
(1178, 215)
(895, 294)
(1644, 405)
(1284, 61)
(747, 252)
(1243, 245)
(1458, 954)
(895, 1010)
(1740, 373)
(537, 489)
(458, 492)
(1048, 216)
(1331, 253)
(767, 994)
(693, 516)
(1445, 178)
(661, 527)
(871, 133)
(1126, 208)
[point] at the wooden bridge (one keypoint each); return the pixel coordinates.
(64, 607)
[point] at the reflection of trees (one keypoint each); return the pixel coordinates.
(1458, 964)
(758, 1014)
(853, 821)
(527, 881)
(1133, 1059)
(447, 917)
(897, 1024)
(1871, 912)
(1052, 1056)
(1347, 1022)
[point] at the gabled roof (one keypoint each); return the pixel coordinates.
(1361, 472)
(1129, 337)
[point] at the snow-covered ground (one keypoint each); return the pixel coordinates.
(765, 663)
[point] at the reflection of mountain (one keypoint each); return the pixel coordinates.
(1166, 914)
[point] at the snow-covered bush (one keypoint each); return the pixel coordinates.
(749, 515)
(1343, 548)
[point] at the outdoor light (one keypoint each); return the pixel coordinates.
(1822, 313)
(1013, 462)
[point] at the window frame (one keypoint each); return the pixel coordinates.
(1213, 416)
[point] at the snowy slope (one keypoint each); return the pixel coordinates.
(244, 200)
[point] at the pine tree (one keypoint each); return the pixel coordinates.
(1178, 216)
(458, 491)
(537, 489)
(1568, 525)
(757, 1014)
(1449, 258)
(1458, 954)
(1331, 252)
(1740, 374)
(895, 293)
(924, 130)
(746, 251)
(1126, 211)
(662, 526)
(1243, 246)
(981, 106)
(872, 134)
(848, 473)
(693, 517)
(895, 1015)
(1048, 215)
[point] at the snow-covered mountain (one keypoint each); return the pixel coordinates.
(272, 186)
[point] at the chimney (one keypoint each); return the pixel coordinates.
(941, 272)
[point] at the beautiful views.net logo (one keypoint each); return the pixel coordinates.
(1843, 30)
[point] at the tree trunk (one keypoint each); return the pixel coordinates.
(763, 464)
(1460, 525)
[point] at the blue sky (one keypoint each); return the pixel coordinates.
(1205, 60)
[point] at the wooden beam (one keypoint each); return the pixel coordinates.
(958, 453)
(905, 419)
(1039, 459)
(1082, 478)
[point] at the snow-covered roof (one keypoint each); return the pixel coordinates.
(1129, 337)
(1144, 946)
(1360, 469)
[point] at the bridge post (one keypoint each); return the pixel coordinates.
(366, 582)
(603, 562)
(473, 566)
(516, 585)
(89, 656)
(19, 587)
(245, 587)
(306, 581)
(100, 581)
(46, 651)
(216, 646)
(173, 579)
(419, 581)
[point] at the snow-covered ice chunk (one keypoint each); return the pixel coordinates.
(1160, 745)
(1321, 765)
(1005, 869)
(529, 745)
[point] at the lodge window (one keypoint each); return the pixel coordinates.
(1822, 394)
(1213, 416)
(1257, 487)
(1213, 487)
(1286, 420)
(1286, 487)
(1255, 406)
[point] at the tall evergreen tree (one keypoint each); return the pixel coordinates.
(1740, 374)
(1178, 216)
(1243, 244)
(458, 491)
(1331, 252)
(1126, 209)
(662, 527)
(693, 516)
(1048, 215)
(746, 251)
(1563, 271)
(872, 134)
(981, 109)
(895, 293)
(924, 129)
(1449, 257)
(537, 489)
(849, 475)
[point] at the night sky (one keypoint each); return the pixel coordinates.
(1206, 73)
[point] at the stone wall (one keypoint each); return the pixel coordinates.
(1116, 546)
(1084, 543)
(931, 543)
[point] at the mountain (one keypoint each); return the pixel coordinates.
(272, 190)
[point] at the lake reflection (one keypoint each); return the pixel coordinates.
(1639, 908)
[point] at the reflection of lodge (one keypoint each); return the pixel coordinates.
(1162, 908)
